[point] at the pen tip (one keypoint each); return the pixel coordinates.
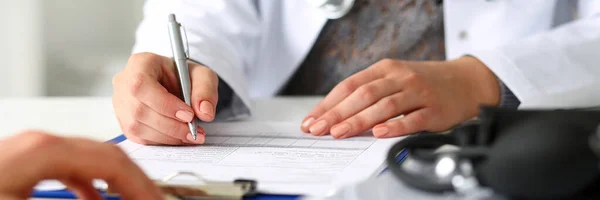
(194, 136)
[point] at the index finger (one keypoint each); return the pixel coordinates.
(87, 159)
(339, 93)
(147, 81)
(152, 94)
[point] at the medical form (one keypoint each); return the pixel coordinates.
(278, 155)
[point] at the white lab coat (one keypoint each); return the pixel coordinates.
(257, 50)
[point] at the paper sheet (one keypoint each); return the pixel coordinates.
(280, 157)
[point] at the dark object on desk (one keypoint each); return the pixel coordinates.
(535, 154)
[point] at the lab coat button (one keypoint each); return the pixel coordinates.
(462, 35)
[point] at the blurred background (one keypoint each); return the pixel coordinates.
(64, 47)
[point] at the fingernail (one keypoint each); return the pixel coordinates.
(207, 108)
(201, 131)
(184, 115)
(340, 130)
(381, 131)
(319, 127)
(308, 122)
(199, 139)
(188, 143)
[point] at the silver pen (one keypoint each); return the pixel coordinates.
(180, 58)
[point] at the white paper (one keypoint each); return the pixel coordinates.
(54, 185)
(278, 155)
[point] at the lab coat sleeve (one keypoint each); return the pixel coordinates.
(222, 35)
(555, 69)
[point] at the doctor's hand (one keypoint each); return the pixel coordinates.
(147, 104)
(30, 157)
(431, 96)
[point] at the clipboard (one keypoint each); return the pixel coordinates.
(229, 188)
(206, 189)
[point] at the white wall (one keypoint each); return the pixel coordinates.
(90, 40)
(74, 46)
(21, 58)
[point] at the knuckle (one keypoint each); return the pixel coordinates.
(390, 82)
(138, 110)
(165, 104)
(38, 140)
(367, 93)
(347, 86)
(358, 123)
(388, 103)
(207, 71)
(133, 128)
(385, 63)
(335, 116)
(144, 57)
(137, 80)
(174, 132)
(412, 78)
(419, 121)
(204, 75)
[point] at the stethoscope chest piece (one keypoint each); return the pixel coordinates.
(333, 9)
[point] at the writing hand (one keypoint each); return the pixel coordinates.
(147, 105)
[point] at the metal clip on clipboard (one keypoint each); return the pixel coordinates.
(207, 189)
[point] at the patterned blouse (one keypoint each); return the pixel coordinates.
(371, 31)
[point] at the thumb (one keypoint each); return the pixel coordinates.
(205, 93)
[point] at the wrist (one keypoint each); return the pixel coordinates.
(480, 80)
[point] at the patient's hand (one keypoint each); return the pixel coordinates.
(432, 96)
(31, 157)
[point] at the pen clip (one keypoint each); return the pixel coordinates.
(187, 49)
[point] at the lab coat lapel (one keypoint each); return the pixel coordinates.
(289, 32)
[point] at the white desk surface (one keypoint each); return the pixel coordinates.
(93, 117)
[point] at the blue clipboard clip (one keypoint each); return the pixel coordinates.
(205, 189)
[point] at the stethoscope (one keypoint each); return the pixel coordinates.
(511, 153)
(333, 9)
